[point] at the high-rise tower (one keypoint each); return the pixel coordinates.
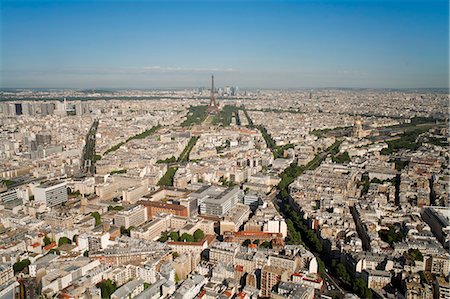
(213, 107)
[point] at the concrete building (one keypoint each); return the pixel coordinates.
(152, 230)
(235, 218)
(438, 218)
(134, 215)
(220, 205)
(51, 193)
(270, 277)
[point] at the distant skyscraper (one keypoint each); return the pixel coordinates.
(18, 109)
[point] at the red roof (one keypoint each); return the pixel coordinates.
(202, 293)
(250, 233)
(241, 295)
(50, 246)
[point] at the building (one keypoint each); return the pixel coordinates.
(252, 199)
(235, 218)
(289, 263)
(129, 290)
(6, 273)
(8, 196)
(59, 220)
(134, 215)
(438, 218)
(357, 131)
(97, 241)
(241, 236)
(51, 193)
(293, 290)
(376, 279)
(220, 205)
(190, 287)
(152, 230)
(308, 279)
(156, 207)
(442, 290)
(224, 253)
(270, 277)
(414, 289)
(439, 264)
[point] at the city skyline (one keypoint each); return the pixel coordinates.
(273, 44)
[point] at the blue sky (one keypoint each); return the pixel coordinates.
(265, 44)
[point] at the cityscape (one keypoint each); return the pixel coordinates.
(220, 181)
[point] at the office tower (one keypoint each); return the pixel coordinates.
(51, 193)
(18, 108)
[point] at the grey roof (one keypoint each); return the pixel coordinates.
(127, 288)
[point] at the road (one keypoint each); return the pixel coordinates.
(331, 284)
(87, 159)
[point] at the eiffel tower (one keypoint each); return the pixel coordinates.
(213, 107)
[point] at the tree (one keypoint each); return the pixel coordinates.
(341, 158)
(167, 178)
(198, 235)
(174, 236)
(414, 255)
(342, 272)
(64, 240)
(54, 251)
(47, 241)
(107, 287)
(256, 242)
(164, 237)
(97, 218)
(86, 253)
(115, 208)
(361, 289)
(246, 242)
(321, 266)
(175, 255)
(187, 238)
(21, 265)
(126, 232)
(392, 235)
(266, 244)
